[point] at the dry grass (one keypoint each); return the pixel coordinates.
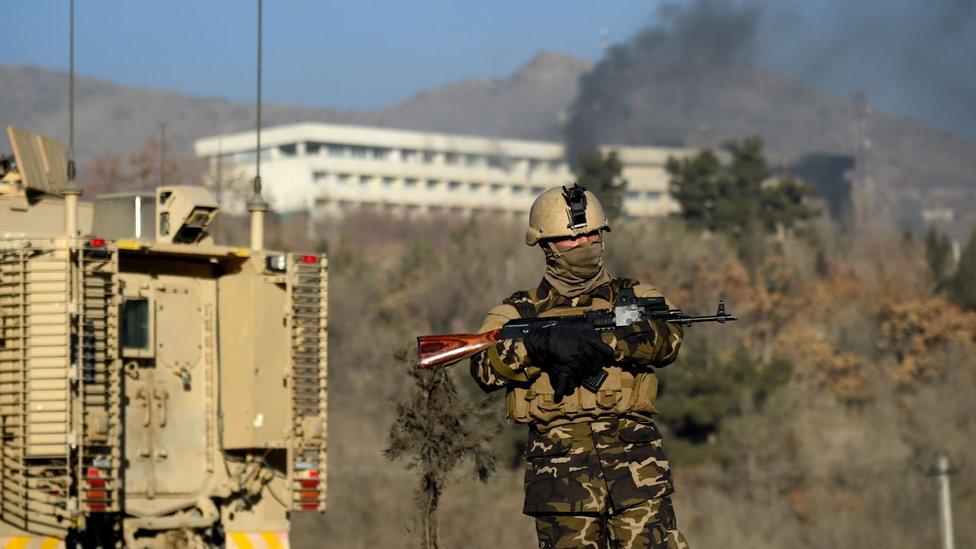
(836, 457)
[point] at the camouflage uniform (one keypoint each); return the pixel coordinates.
(595, 470)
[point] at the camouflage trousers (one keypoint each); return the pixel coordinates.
(650, 525)
(605, 483)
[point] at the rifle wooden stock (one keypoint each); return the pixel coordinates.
(441, 350)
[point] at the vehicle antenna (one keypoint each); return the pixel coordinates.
(257, 206)
(72, 191)
(162, 153)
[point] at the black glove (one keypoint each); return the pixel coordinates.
(568, 353)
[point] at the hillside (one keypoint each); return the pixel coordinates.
(626, 99)
(528, 104)
(119, 119)
(703, 106)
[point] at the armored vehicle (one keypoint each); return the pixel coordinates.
(156, 390)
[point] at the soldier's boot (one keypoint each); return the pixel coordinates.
(650, 525)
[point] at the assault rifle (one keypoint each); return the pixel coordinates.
(443, 350)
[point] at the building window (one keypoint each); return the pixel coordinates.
(450, 158)
(429, 157)
(408, 155)
(336, 150)
(632, 195)
(380, 153)
(387, 181)
(410, 183)
(431, 184)
(320, 176)
(474, 187)
(472, 159)
(359, 152)
(534, 164)
(312, 149)
(496, 188)
(364, 180)
(555, 165)
(288, 150)
(517, 189)
(538, 190)
(653, 195)
(496, 161)
(453, 185)
(343, 178)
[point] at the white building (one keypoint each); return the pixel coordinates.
(331, 169)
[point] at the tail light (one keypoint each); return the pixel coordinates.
(308, 492)
(96, 495)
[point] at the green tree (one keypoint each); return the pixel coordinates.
(435, 430)
(702, 390)
(603, 175)
(739, 198)
(963, 286)
(938, 256)
(784, 204)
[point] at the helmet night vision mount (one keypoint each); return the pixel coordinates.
(575, 197)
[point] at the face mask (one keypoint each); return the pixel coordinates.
(577, 270)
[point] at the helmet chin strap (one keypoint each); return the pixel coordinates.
(549, 249)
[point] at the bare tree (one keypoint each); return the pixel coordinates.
(435, 430)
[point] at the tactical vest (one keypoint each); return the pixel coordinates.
(626, 391)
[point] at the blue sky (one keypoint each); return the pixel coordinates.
(360, 54)
(913, 57)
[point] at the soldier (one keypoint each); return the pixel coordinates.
(596, 474)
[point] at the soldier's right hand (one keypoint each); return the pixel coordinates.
(571, 352)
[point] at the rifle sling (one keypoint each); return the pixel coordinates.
(503, 369)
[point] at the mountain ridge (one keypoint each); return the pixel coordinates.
(525, 104)
(544, 99)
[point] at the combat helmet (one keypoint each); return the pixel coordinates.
(565, 211)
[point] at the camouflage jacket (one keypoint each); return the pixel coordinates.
(631, 386)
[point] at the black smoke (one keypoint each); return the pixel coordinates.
(685, 79)
(830, 174)
(687, 40)
(914, 58)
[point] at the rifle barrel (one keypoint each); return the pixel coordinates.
(711, 318)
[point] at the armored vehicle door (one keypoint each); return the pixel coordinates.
(167, 347)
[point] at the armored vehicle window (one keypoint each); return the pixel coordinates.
(135, 324)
